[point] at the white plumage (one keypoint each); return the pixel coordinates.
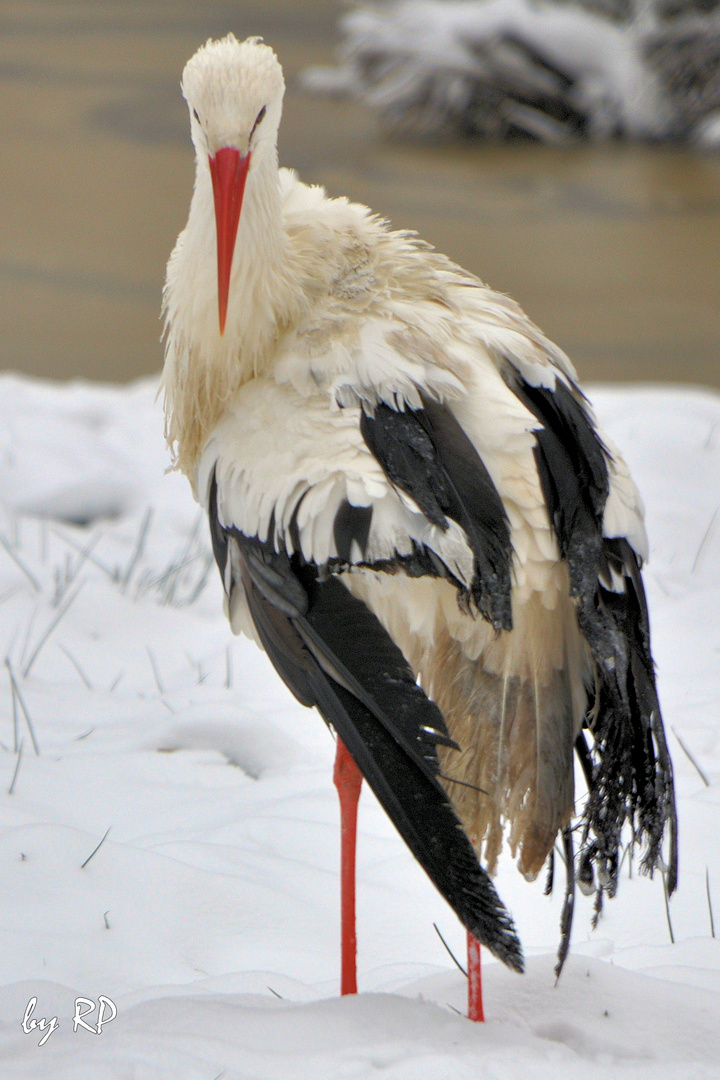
(374, 416)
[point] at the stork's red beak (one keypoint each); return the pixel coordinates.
(229, 172)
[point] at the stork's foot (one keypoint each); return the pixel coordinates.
(475, 1004)
(348, 781)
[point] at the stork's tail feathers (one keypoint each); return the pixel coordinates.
(518, 733)
(516, 724)
(628, 767)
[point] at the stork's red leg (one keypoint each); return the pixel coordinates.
(348, 780)
(475, 1005)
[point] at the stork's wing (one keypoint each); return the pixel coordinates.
(311, 629)
(425, 453)
(628, 769)
(363, 486)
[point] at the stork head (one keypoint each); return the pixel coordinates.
(234, 91)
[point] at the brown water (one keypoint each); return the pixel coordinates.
(613, 250)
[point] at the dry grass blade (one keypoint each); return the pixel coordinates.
(667, 909)
(180, 583)
(115, 681)
(185, 559)
(139, 548)
(76, 665)
(11, 789)
(14, 707)
(690, 758)
(704, 540)
(462, 783)
(709, 900)
(202, 580)
(19, 563)
(86, 552)
(626, 854)
(156, 673)
(166, 583)
(23, 706)
(61, 611)
(97, 848)
(28, 631)
(450, 953)
(64, 579)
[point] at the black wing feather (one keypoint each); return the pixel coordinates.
(310, 629)
(351, 523)
(377, 674)
(426, 454)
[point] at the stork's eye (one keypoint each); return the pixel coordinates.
(259, 118)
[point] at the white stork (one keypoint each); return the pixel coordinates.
(415, 515)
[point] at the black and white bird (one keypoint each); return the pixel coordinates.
(415, 515)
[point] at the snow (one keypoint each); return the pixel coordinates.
(209, 913)
(556, 71)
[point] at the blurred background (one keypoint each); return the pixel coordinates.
(612, 248)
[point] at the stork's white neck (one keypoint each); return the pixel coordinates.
(202, 368)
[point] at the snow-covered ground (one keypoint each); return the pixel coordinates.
(208, 915)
